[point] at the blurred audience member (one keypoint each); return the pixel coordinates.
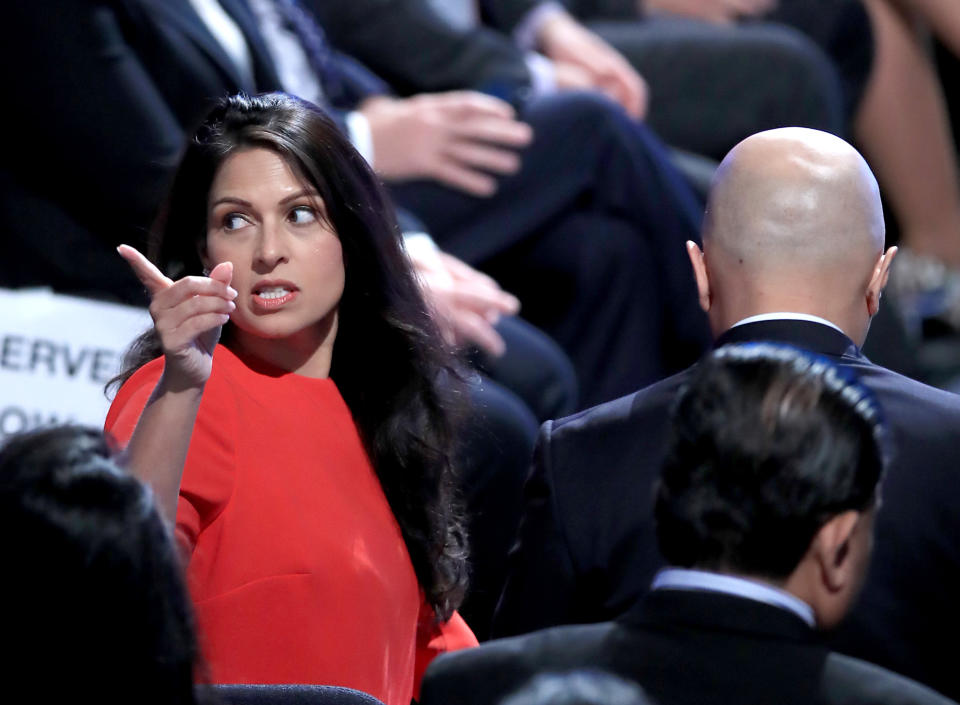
(890, 88)
(765, 511)
(793, 252)
(585, 230)
(96, 606)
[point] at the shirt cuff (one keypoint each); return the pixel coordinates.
(360, 135)
(528, 28)
(418, 242)
(543, 78)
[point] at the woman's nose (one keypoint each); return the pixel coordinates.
(271, 249)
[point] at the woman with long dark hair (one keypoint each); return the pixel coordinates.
(307, 456)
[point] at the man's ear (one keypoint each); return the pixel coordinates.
(831, 547)
(881, 273)
(700, 274)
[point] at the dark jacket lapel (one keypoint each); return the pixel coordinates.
(265, 71)
(181, 14)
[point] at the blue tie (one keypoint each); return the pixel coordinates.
(315, 45)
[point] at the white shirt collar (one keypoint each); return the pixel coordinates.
(685, 579)
(788, 315)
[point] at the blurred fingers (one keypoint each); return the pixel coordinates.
(482, 299)
(507, 133)
(481, 156)
(463, 178)
(472, 103)
(476, 329)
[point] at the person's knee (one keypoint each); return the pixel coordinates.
(568, 114)
(535, 368)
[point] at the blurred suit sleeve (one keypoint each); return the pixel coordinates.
(416, 50)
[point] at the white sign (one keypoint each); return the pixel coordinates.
(56, 354)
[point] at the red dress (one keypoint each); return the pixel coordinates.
(298, 569)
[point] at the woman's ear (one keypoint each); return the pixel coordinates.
(204, 258)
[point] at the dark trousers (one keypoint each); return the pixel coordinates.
(495, 450)
(806, 63)
(711, 86)
(590, 235)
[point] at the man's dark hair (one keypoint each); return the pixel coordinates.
(768, 443)
(96, 606)
(581, 687)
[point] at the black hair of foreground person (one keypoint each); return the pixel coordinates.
(767, 444)
(580, 687)
(96, 608)
(388, 359)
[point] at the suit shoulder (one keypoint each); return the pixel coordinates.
(888, 385)
(486, 673)
(620, 412)
(850, 681)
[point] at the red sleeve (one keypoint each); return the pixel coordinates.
(434, 639)
(208, 476)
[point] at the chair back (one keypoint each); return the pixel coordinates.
(289, 695)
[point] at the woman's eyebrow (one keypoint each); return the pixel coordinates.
(305, 192)
(231, 199)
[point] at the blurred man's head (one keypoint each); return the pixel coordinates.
(772, 473)
(793, 223)
(96, 604)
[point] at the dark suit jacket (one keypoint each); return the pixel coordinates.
(417, 51)
(108, 90)
(683, 647)
(587, 548)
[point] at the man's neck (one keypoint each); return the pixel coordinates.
(787, 315)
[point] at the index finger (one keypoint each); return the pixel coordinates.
(146, 271)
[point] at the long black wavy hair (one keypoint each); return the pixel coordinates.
(389, 363)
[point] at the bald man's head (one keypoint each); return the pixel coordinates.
(793, 214)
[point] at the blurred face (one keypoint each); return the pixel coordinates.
(288, 265)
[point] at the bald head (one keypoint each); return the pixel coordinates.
(793, 221)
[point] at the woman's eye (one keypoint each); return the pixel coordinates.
(302, 215)
(234, 221)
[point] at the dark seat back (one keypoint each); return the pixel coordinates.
(289, 695)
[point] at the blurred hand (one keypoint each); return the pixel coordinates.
(188, 315)
(461, 139)
(467, 303)
(717, 11)
(566, 41)
(571, 78)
